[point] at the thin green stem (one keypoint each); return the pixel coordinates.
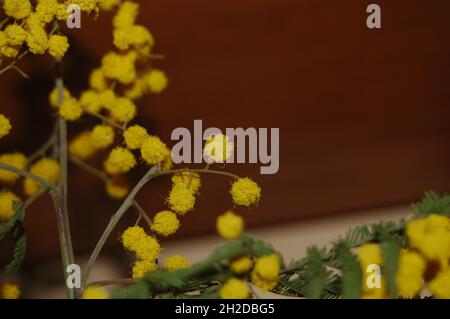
(60, 197)
(142, 213)
(26, 174)
(114, 220)
(105, 120)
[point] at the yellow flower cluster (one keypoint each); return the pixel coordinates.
(176, 262)
(5, 125)
(145, 247)
(234, 289)
(230, 225)
(241, 265)
(266, 272)
(7, 199)
(17, 160)
(218, 149)
(10, 291)
(424, 264)
(245, 192)
(30, 26)
(95, 292)
(45, 168)
(165, 223)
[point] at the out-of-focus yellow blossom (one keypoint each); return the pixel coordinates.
(230, 225)
(176, 262)
(61, 12)
(53, 97)
(90, 101)
(108, 99)
(141, 267)
(167, 162)
(17, 9)
(132, 235)
(46, 10)
(120, 161)
(126, 16)
(6, 205)
(440, 285)
(181, 200)
(123, 110)
(117, 188)
(37, 39)
(97, 80)
(10, 291)
(87, 6)
(137, 89)
(245, 192)
(266, 272)
(189, 179)
(45, 168)
(234, 289)
(145, 247)
(107, 5)
(241, 265)
(81, 146)
(17, 160)
(153, 151)
(410, 271)
(431, 236)
(95, 292)
(135, 136)
(134, 36)
(15, 34)
(102, 136)
(70, 109)
(5, 126)
(58, 46)
(157, 81)
(120, 67)
(165, 223)
(218, 149)
(369, 254)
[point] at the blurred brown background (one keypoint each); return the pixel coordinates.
(363, 114)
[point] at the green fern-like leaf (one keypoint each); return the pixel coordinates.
(20, 244)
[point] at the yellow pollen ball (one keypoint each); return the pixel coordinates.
(230, 225)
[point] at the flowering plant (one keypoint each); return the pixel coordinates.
(410, 254)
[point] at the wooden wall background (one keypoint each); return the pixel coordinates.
(363, 113)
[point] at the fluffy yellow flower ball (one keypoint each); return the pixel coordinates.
(176, 262)
(98, 81)
(107, 5)
(134, 36)
(241, 265)
(71, 109)
(157, 81)
(131, 235)
(17, 160)
(117, 188)
(37, 39)
(234, 289)
(369, 254)
(245, 192)
(410, 271)
(218, 149)
(102, 136)
(266, 272)
(147, 248)
(45, 168)
(10, 291)
(53, 97)
(126, 16)
(5, 126)
(230, 225)
(108, 99)
(165, 223)
(141, 267)
(95, 292)
(120, 161)
(90, 101)
(81, 146)
(46, 10)
(120, 67)
(181, 200)
(153, 150)
(15, 34)
(123, 110)
(440, 285)
(6, 205)
(189, 179)
(58, 46)
(135, 136)
(17, 9)
(431, 236)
